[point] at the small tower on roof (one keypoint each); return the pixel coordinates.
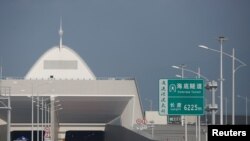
(61, 63)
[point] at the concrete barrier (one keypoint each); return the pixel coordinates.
(119, 133)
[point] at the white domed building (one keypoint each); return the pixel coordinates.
(60, 63)
(61, 94)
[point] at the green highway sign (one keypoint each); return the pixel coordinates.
(181, 97)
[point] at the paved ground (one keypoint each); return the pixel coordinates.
(175, 132)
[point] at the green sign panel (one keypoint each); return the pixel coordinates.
(181, 97)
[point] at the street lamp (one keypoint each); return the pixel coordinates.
(152, 127)
(32, 103)
(38, 110)
(42, 107)
(188, 70)
(32, 108)
(242, 64)
(177, 75)
(244, 98)
(226, 101)
(221, 39)
(182, 76)
(46, 120)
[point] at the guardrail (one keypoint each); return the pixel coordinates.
(98, 78)
(5, 91)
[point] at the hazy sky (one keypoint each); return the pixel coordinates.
(131, 38)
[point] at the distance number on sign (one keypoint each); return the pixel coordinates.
(191, 107)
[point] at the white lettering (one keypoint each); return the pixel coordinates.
(243, 133)
(215, 131)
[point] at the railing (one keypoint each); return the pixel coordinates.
(98, 78)
(5, 91)
(115, 78)
(5, 104)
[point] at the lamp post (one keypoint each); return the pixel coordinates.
(32, 109)
(42, 107)
(197, 73)
(246, 99)
(32, 105)
(5, 96)
(152, 127)
(234, 69)
(8, 108)
(32, 114)
(221, 40)
(182, 66)
(37, 119)
(42, 118)
(49, 118)
(226, 111)
(226, 108)
(38, 108)
(199, 76)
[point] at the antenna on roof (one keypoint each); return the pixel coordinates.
(60, 34)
